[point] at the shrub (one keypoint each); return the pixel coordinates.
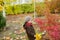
(17, 9)
(51, 25)
(9, 9)
(2, 21)
(20, 8)
(40, 8)
(27, 8)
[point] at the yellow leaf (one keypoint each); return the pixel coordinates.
(8, 38)
(1, 8)
(38, 36)
(1, 0)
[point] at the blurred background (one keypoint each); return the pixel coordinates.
(13, 12)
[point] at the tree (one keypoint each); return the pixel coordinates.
(55, 5)
(2, 19)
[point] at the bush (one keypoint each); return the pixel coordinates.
(9, 9)
(40, 8)
(18, 9)
(27, 8)
(2, 21)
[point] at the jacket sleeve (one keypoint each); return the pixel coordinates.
(24, 26)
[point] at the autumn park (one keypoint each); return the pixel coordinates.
(29, 19)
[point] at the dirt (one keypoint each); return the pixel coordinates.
(14, 28)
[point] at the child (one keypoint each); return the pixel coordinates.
(29, 28)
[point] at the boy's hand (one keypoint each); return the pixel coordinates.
(33, 22)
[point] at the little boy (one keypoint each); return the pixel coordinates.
(29, 28)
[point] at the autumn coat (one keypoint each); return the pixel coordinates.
(29, 30)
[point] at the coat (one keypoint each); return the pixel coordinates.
(29, 30)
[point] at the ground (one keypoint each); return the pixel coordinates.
(14, 29)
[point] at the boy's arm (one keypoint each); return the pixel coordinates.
(24, 26)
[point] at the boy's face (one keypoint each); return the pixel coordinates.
(30, 20)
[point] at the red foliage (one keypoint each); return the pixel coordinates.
(52, 27)
(54, 32)
(39, 21)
